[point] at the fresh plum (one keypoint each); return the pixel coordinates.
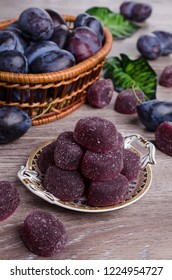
(83, 43)
(153, 112)
(36, 49)
(92, 22)
(60, 35)
(13, 61)
(52, 61)
(14, 123)
(36, 23)
(134, 11)
(165, 39)
(56, 17)
(7, 40)
(149, 46)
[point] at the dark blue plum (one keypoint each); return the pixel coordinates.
(14, 24)
(52, 61)
(83, 43)
(153, 112)
(36, 23)
(141, 12)
(38, 48)
(14, 123)
(165, 39)
(56, 17)
(149, 46)
(13, 61)
(137, 12)
(95, 25)
(92, 22)
(19, 34)
(60, 35)
(126, 9)
(8, 40)
(80, 19)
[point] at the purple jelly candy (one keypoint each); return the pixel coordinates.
(96, 134)
(120, 143)
(66, 135)
(109, 192)
(64, 184)
(43, 234)
(68, 154)
(165, 78)
(9, 199)
(102, 167)
(163, 138)
(46, 157)
(126, 102)
(100, 93)
(132, 165)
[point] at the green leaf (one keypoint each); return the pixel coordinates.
(125, 72)
(119, 26)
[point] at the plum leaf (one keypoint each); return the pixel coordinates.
(124, 72)
(116, 23)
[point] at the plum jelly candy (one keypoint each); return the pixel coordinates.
(163, 138)
(100, 93)
(43, 234)
(132, 165)
(165, 78)
(96, 134)
(109, 192)
(120, 144)
(102, 167)
(126, 102)
(64, 184)
(68, 154)
(9, 199)
(46, 157)
(66, 135)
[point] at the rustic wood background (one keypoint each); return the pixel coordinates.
(140, 231)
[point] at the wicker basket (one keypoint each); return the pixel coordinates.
(61, 92)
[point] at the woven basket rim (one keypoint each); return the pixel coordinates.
(66, 74)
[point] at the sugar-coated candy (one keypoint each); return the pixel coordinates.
(9, 199)
(126, 102)
(102, 166)
(120, 142)
(96, 134)
(66, 135)
(165, 78)
(132, 165)
(100, 93)
(109, 192)
(43, 233)
(66, 185)
(46, 157)
(68, 154)
(163, 138)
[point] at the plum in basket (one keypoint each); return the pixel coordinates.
(52, 61)
(36, 24)
(83, 43)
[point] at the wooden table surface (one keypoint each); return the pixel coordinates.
(142, 230)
